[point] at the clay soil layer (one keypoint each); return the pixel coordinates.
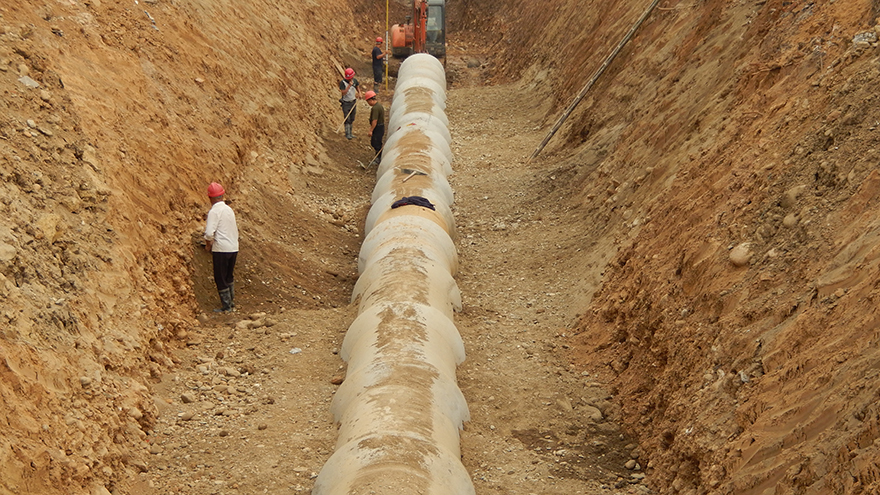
(676, 296)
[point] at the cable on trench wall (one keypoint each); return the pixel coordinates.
(400, 409)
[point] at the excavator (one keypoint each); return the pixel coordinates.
(423, 32)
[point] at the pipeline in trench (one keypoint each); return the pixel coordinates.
(400, 409)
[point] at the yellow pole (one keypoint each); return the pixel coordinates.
(386, 45)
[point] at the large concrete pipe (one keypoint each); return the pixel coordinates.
(421, 232)
(420, 176)
(420, 120)
(441, 214)
(436, 72)
(420, 154)
(418, 140)
(424, 81)
(400, 409)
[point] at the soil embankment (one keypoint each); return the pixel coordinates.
(731, 152)
(684, 279)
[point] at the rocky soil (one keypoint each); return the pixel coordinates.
(261, 384)
(676, 296)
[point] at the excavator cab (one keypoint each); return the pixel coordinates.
(423, 32)
(435, 28)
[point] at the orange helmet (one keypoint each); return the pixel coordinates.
(349, 73)
(369, 95)
(215, 190)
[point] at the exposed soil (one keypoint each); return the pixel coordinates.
(676, 296)
(539, 424)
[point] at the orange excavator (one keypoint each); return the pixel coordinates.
(423, 32)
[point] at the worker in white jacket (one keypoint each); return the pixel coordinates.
(221, 239)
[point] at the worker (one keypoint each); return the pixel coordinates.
(221, 240)
(378, 64)
(377, 125)
(350, 90)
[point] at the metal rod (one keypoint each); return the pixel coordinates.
(592, 81)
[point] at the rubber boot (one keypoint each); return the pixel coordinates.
(232, 296)
(348, 134)
(225, 301)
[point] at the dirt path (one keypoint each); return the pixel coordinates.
(538, 425)
(248, 410)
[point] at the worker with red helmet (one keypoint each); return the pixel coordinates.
(378, 64)
(221, 240)
(377, 125)
(350, 90)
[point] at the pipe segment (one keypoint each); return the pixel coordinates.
(416, 157)
(423, 119)
(416, 140)
(410, 90)
(409, 231)
(441, 214)
(420, 104)
(379, 412)
(369, 320)
(436, 72)
(422, 80)
(420, 120)
(416, 96)
(368, 467)
(400, 409)
(391, 280)
(423, 184)
(406, 183)
(429, 395)
(419, 100)
(411, 133)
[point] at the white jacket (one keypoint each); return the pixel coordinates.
(222, 229)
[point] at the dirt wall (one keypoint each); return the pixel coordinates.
(114, 119)
(731, 150)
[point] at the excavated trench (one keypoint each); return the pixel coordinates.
(677, 296)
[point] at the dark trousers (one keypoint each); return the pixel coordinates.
(224, 264)
(376, 140)
(346, 106)
(378, 74)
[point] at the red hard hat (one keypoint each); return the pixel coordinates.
(215, 190)
(379, 39)
(369, 95)
(349, 73)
